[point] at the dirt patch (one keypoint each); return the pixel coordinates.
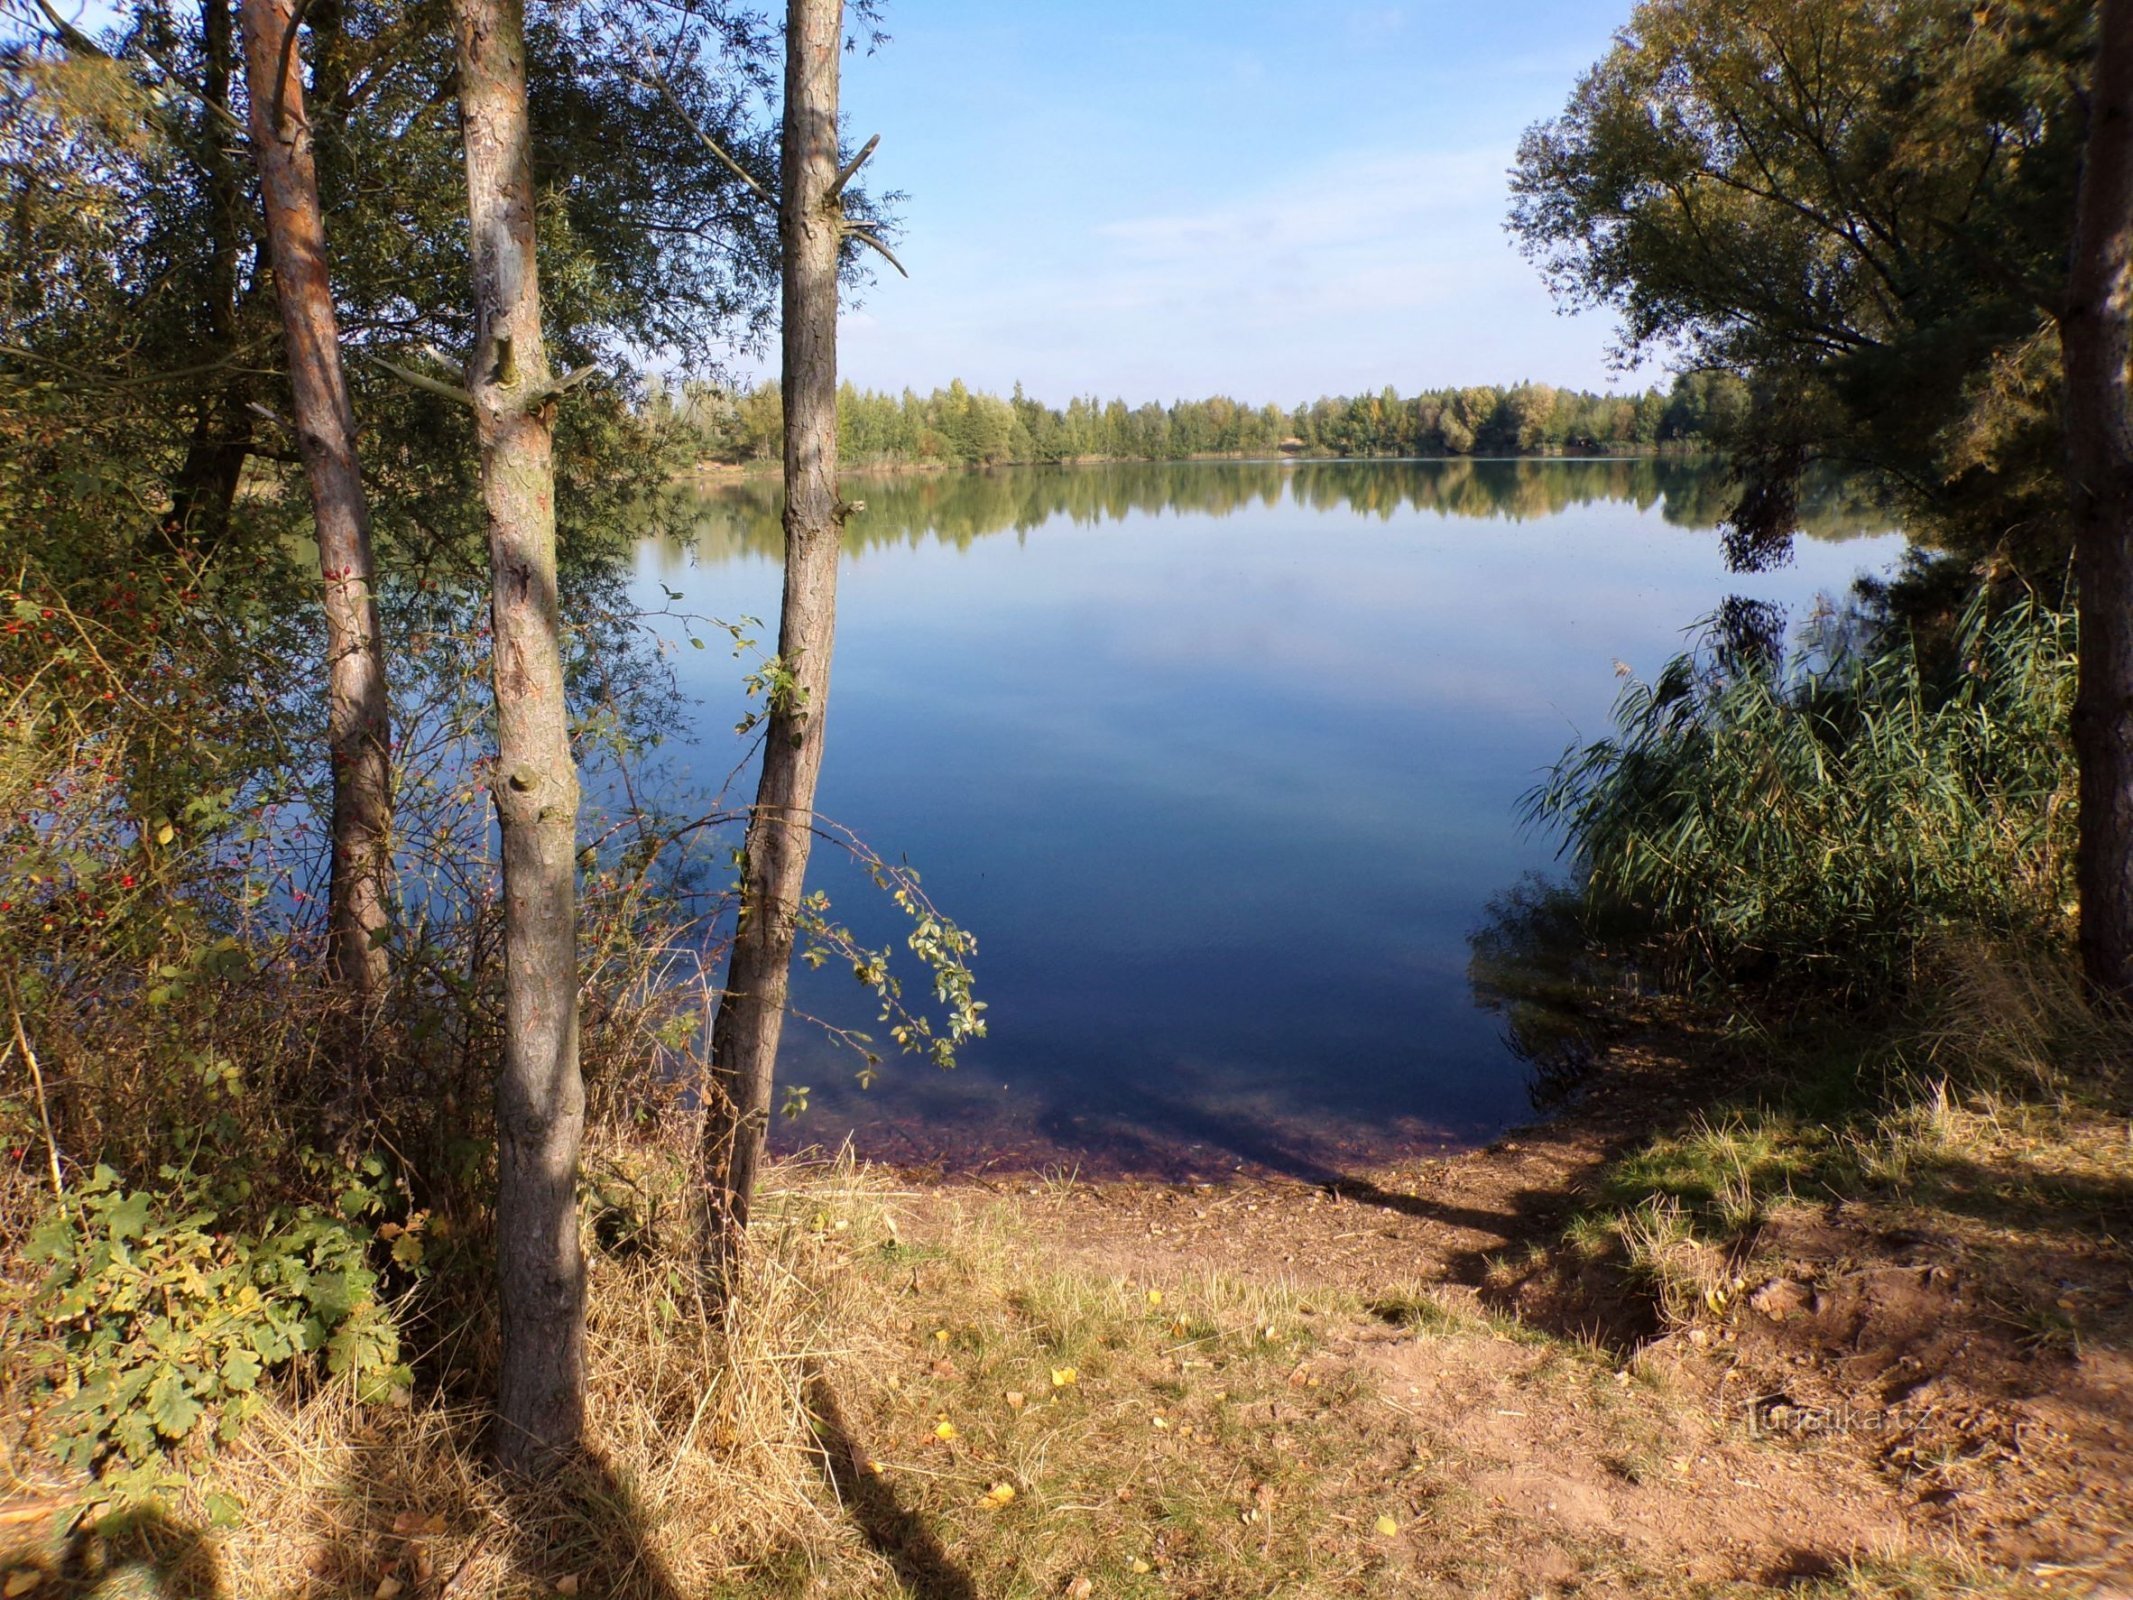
(1866, 1382)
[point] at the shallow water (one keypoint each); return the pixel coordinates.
(1222, 764)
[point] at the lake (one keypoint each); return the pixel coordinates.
(1221, 762)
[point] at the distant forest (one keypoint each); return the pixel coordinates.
(956, 427)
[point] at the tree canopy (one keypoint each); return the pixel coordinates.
(1859, 206)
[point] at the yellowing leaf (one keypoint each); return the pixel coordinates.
(1388, 1527)
(1139, 1565)
(386, 1589)
(165, 834)
(941, 1334)
(1155, 1297)
(947, 1430)
(1000, 1494)
(21, 1581)
(1064, 1377)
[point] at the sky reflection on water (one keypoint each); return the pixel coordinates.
(1221, 762)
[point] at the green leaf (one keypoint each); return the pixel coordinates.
(171, 1406)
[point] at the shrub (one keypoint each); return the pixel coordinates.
(1827, 817)
(158, 1326)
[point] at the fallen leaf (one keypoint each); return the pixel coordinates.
(1000, 1494)
(1064, 1377)
(568, 1584)
(1139, 1565)
(1388, 1527)
(1016, 1400)
(1080, 1589)
(941, 1334)
(418, 1524)
(386, 1589)
(947, 1430)
(943, 1368)
(1161, 1422)
(1155, 1297)
(21, 1581)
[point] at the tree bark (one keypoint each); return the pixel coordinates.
(540, 1097)
(751, 1011)
(2096, 338)
(357, 717)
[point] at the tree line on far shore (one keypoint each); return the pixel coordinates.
(957, 426)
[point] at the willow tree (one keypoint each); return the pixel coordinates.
(357, 717)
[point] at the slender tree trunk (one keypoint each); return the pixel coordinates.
(205, 487)
(540, 1098)
(751, 1012)
(357, 736)
(2096, 336)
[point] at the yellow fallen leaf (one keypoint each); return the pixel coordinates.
(1155, 1297)
(873, 1467)
(1388, 1527)
(941, 1334)
(947, 1430)
(22, 1580)
(1139, 1565)
(386, 1589)
(1064, 1377)
(1000, 1494)
(1162, 1422)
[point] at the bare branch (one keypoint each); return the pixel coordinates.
(657, 80)
(845, 172)
(872, 243)
(436, 386)
(560, 387)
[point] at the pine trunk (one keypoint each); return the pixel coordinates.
(540, 1098)
(357, 716)
(2097, 340)
(751, 1011)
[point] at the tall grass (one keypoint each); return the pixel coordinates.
(1823, 819)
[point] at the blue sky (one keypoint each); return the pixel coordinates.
(1183, 197)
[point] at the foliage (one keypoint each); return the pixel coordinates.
(1860, 206)
(1825, 819)
(166, 1320)
(954, 426)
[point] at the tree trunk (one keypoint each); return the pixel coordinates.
(2097, 340)
(357, 737)
(540, 1098)
(751, 1011)
(205, 487)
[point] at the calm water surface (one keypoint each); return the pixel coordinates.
(1221, 762)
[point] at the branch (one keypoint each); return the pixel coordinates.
(858, 231)
(281, 72)
(81, 44)
(845, 172)
(658, 81)
(560, 387)
(436, 386)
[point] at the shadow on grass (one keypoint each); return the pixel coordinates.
(140, 1555)
(897, 1533)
